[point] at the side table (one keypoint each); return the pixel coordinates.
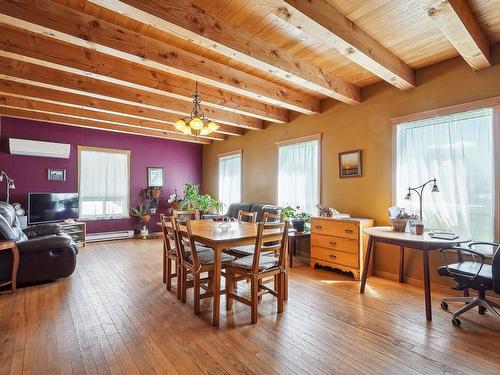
(11, 245)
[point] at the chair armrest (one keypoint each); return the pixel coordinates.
(40, 230)
(459, 250)
(45, 243)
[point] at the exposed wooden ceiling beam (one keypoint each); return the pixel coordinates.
(29, 92)
(67, 25)
(29, 47)
(321, 21)
(458, 24)
(190, 22)
(64, 120)
(26, 70)
(98, 117)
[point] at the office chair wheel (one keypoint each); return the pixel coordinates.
(456, 322)
(444, 305)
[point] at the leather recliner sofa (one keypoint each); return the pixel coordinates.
(260, 208)
(45, 251)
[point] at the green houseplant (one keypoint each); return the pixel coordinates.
(298, 217)
(194, 200)
(142, 211)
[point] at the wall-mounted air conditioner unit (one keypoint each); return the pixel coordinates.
(28, 147)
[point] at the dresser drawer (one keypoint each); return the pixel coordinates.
(335, 228)
(335, 243)
(334, 256)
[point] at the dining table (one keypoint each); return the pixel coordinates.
(218, 236)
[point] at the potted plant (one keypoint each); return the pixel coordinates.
(153, 195)
(194, 200)
(142, 211)
(298, 217)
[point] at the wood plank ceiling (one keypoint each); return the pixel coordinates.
(131, 65)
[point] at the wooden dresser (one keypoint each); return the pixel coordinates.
(339, 243)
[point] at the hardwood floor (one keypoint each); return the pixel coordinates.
(115, 316)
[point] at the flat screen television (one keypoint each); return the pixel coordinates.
(52, 207)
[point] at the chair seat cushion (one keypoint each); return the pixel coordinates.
(265, 262)
(242, 250)
(199, 249)
(206, 257)
(469, 269)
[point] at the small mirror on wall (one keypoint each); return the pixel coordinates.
(350, 164)
(155, 176)
(56, 174)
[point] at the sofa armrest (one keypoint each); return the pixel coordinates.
(44, 243)
(40, 230)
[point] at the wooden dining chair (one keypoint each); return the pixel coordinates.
(249, 217)
(195, 261)
(170, 255)
(243, 251)
(266, 261)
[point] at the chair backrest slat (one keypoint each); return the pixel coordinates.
(278, 247)
(185, 240)
(272, 218)
(250, 217)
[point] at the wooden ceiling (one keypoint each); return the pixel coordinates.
(131, 65)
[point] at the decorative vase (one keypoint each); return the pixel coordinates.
(298, 225)
(144, 232)
(146, 218)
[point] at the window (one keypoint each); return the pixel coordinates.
(298, 173)
(104, 181)
(457, 150)
(229, 179)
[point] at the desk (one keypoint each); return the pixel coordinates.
(423, 243)
(208, 233)
(293, 236)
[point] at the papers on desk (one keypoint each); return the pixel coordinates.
(443, 235)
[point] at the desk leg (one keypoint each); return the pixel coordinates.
(427, 285)
(368, 254)
(401, 264)
(216, 286)
(15, 266)
(291, 250)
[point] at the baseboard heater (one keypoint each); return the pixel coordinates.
(109, 236)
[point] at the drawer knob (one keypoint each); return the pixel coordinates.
(333, 256)
(318, 227)
(333, 243)
(348, 231)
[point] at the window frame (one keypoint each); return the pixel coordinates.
(81, 148)
(314, 137)
(494, 104)
(227, 154)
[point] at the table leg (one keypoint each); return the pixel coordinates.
(427, 285)
(401, 264)
(364, 275)
(216, 285)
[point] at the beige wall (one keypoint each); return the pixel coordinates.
(366, 126)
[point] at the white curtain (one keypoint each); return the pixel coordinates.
(298, 175)
(104, 184)
(229, 180)
(457, 150)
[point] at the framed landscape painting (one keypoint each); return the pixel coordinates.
(350, 164)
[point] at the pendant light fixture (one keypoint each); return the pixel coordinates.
(197, 124)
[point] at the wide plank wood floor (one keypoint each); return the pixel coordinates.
(114, 316)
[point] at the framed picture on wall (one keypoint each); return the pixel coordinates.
(155, 176)
(54, 174)
(350, 164)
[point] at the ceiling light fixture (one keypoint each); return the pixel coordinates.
(197, 124)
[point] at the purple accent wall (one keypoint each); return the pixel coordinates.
(181, 163)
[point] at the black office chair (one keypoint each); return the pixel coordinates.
(472, 274)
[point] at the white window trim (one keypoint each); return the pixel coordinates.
(315, 137)
(226, 154)
(494, 104)
(105, 149)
